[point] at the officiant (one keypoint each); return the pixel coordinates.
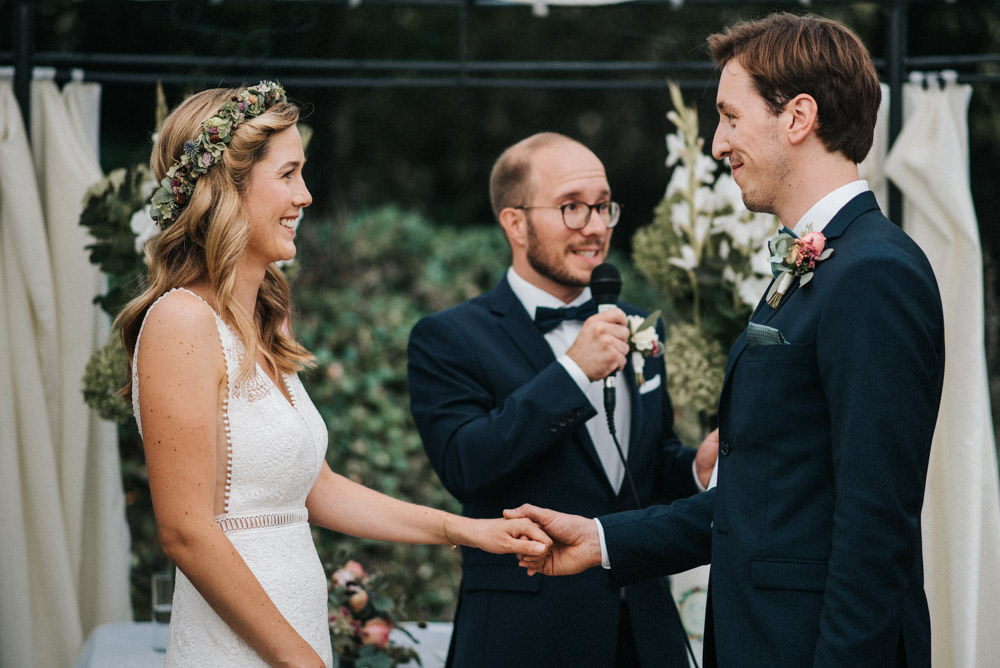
(510, 410)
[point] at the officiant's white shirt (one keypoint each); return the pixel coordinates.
(560, 339)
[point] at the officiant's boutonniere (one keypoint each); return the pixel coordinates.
(643, 342)
(793, 258)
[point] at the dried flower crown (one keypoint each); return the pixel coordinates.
(200, 154)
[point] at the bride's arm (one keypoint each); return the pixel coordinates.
(180, 371)
(348, 507)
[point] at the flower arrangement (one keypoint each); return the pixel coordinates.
(361, 619)
(705, 254)
(791, 258)
(116, 212)
(643, 342)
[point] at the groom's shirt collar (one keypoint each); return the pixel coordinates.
(532, 297)
(823, 211)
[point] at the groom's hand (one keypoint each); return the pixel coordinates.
(575, 543)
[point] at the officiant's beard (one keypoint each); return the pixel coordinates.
(549, 262)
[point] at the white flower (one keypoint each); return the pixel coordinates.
(687, 260)
(143, 227)
(678, 181)
(704, 168)
(680, 216)
(675, 146)
(644, 339)
(728, 193)
(751, 288)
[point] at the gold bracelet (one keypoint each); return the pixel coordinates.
(444, 530)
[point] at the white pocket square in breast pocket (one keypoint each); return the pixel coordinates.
(650, 384)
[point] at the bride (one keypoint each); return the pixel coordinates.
(234, 447)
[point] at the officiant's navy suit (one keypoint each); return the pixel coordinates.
(503, 424)
(824, 445)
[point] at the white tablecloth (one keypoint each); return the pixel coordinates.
(130, 645)
(120, 645)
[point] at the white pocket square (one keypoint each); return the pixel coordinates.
(650, 384)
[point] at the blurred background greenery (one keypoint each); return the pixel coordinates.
(398, 168)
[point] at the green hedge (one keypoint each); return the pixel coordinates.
(359, 287)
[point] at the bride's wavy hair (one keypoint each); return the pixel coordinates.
(211, 233)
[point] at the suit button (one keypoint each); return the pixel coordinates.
(724, 448)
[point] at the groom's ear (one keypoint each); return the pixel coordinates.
(802, 119)
(514, 224)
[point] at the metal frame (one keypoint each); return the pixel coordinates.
(460, 72)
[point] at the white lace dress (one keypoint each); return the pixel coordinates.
(275, 451)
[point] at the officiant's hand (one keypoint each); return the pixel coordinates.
(575, 543)
(705, 458)
(601, 346)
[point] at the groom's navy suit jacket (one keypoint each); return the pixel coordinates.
(824, 445)
(503, 424)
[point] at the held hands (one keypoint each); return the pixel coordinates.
(575, 544)
(601, 346)
(499, 536)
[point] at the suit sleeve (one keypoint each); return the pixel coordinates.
(659, 540)
(880, 356)
(482, 425)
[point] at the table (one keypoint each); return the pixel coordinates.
(120, 645)
(130, 645)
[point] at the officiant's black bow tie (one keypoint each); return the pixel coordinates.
(548, 319)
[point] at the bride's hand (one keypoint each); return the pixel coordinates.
(500, 536)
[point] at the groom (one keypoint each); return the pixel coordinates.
(511, 410)
(830, 395)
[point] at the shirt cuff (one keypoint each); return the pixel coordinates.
(605, 562)
(575, 372)
(697, 482)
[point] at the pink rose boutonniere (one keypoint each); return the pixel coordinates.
(791, 258)
(643, 342)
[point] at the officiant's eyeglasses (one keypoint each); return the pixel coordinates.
(576, 215)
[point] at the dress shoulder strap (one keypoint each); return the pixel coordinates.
(231, 347)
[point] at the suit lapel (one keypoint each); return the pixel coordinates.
(859, 205)
(514, 321)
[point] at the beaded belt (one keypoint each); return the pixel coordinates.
(230, 523)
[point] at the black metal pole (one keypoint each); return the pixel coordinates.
(22, 28)
(896, 47)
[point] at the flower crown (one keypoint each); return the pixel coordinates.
(200, 154)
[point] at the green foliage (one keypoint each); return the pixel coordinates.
(363, 284)
(107, 212)
(704, 252)
(107, 372)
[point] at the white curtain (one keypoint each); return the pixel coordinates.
(872, 168)
(929, 162)
(64, 545)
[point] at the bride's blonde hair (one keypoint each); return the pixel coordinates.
(211, 232)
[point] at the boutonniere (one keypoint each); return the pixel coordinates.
(643, 342)
(791, 258)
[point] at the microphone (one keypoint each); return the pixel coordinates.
(605, 286)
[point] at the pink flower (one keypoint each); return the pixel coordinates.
(342, 577)
(808, 249)
(358, 600)
(350, 572)
(815, 240)
(357, 569)
(376, 632)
